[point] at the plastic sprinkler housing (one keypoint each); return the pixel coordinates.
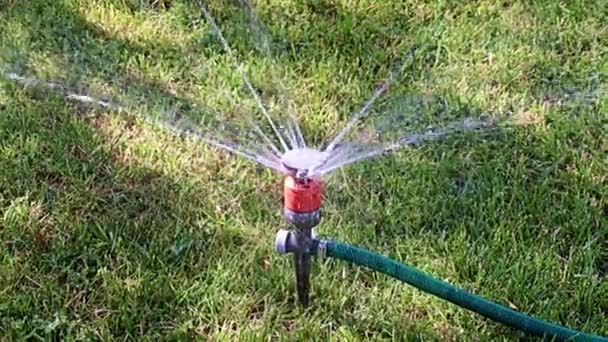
(302, 206)
(302, 211)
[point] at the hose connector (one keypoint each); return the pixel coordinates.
(285, 242)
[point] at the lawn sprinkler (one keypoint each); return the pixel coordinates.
(302, 211)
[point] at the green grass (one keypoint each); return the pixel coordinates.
(112, 228)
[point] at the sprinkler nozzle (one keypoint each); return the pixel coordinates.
(300, 162)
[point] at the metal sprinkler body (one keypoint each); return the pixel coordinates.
(302, 211)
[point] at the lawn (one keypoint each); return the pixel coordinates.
(112, 227)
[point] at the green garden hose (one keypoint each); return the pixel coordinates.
(441, 289)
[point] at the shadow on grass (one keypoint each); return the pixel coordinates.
(87, 236)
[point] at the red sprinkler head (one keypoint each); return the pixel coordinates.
(302, 195)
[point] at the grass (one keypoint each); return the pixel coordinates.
(113, 228)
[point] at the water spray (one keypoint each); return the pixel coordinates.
(303, 187)
(303, 192)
